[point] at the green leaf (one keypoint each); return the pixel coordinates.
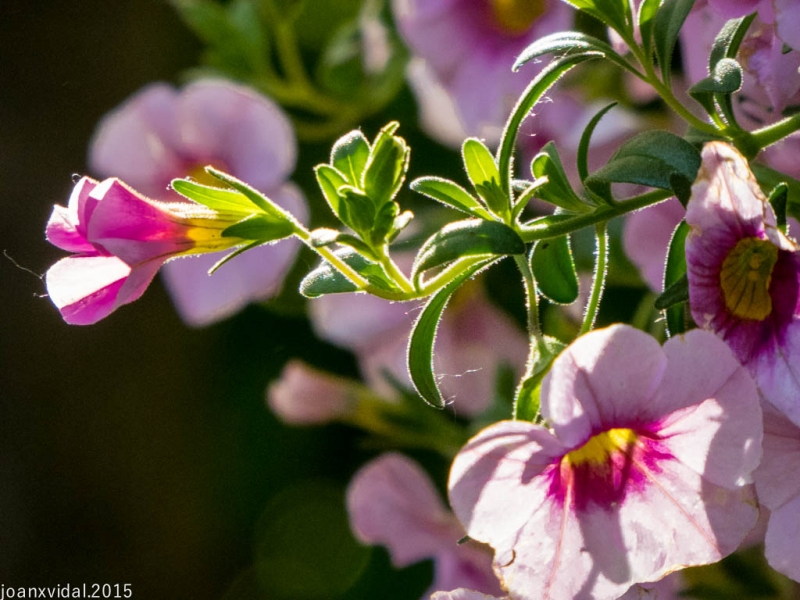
(330, 181)
(769, 179)
(654, 158)
(356, 210)
(647, 10)
(423, 335)
(483, 173)
(218, 199)
(261, 228)
(557, 190)
(451, 194)
(349, 156)
(532, 94)
(583, 146)
(326, 279)
(728, 40)
(554, 270)
(472, 237)
(570, 42)
(386, 168)
(667, 25)
(256, 197)
(384, 221)
(614, 13)
(526, 399)
(674, 271)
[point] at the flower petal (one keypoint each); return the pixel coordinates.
(783, 532)
(603, 380)
(391, 501)
(85, 288)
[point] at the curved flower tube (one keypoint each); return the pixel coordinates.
(119, 240)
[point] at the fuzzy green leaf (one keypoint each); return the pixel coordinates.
(554, 270)
(218, 199)
(349, 156)
(450, 194)
(423, 336)
(326, 279)
(472, 237)
(667, 25)
(260, 228)
(483, 173)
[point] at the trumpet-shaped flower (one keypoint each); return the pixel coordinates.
(744, 275)
(643, 472)
(120, 239)
(778, 489)
(391, 501)
(161, 134)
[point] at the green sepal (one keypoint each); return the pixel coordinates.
(554, 270)
(386, 167)
(469, 238)
(778, 198)
(570, 42)
(423, 336)
(557, 190)
(326, 279)
(256, 197)
(657, 159)
(725, 79)
(260, 228)
(232, 255)
(450, 194)
(217, 199)
(674, 271)
(482, 172)
(667, 24)
(527, 397)
(349, 156)
(330, 180)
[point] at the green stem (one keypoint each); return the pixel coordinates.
(531, 301)
(394, 272)
(600, 271)
(770, 134)
(545, 228)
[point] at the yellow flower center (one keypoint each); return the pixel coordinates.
(516, 16)
(598, 449)
(745, 278)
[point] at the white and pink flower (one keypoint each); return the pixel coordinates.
(644, 470)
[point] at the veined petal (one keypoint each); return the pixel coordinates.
(584, 392)
(504, 465)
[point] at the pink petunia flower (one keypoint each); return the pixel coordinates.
(160, 134)
(778, 489)
(120, 239)
(463, 52)
(643, 472)
(474, 339)
(392, 502)
(744, 275)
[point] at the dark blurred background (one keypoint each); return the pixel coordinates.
(138, 450)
